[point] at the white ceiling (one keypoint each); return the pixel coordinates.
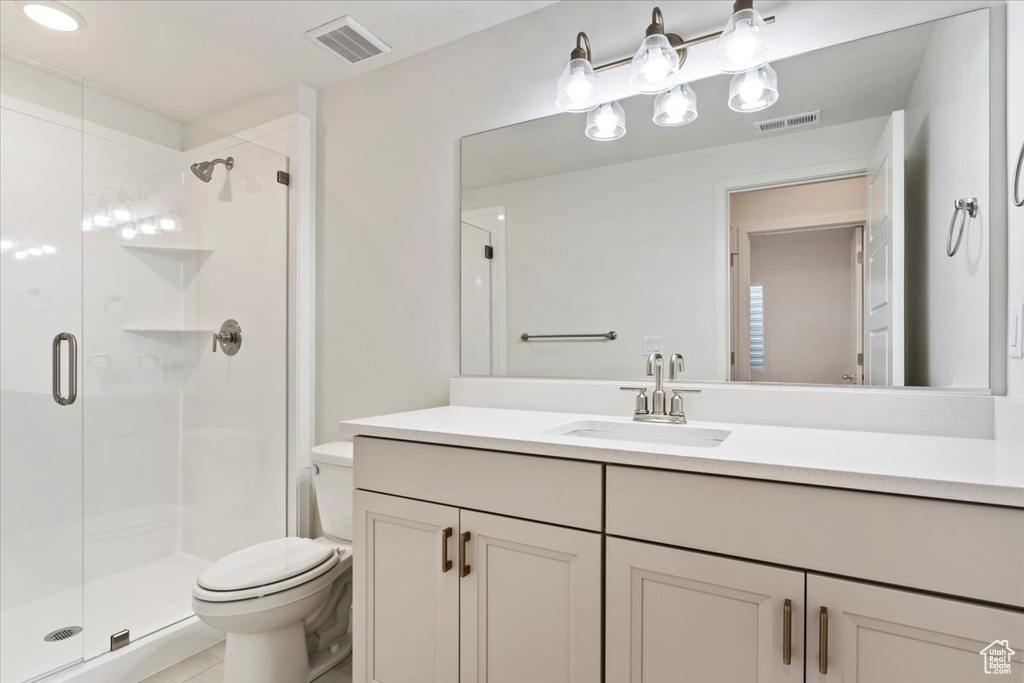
(853, 81)
(193, 58)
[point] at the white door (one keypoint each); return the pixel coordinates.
(406, 600)
(476, 300)
(673, 615)
(531, 602)
(890, 636)
(884, 260)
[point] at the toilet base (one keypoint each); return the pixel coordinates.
(277, 656)
(322, 661)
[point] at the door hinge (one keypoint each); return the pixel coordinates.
(284, 177)
(732, 358)
(860, 257)
(488, 251)
(732, 258)
(860, 359)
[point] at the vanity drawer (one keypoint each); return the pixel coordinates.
(963, 549)
(549, 490)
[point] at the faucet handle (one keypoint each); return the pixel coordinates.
(641, 400)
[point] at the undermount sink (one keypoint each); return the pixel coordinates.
(667, 434)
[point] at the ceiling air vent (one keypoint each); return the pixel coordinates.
(805, 119)
(346, 38)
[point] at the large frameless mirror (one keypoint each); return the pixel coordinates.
(840, 237)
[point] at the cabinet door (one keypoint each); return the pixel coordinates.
(531, 602)
(406, 603)
(673, 615)
(891, 636)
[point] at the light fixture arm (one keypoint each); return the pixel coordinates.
(657, 24)
(678, 43)
(582, 49)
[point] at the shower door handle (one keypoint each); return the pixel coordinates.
(72, 368)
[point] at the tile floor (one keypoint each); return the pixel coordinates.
(208, 667)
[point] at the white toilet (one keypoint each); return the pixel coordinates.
(285, 604)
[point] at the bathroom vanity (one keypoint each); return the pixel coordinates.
(529, 546)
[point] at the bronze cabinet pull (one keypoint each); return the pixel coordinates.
(446, 564)
(823, 641)
(787, 631)
(463, 567)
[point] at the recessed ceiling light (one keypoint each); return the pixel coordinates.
(52, 15)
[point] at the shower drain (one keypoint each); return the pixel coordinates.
(62, 633)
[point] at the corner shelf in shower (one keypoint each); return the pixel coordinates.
(168, 251)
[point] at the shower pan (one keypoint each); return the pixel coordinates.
(123, 471)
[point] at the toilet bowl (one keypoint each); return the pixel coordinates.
(285, 604)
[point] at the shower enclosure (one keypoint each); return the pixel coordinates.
(133, 450)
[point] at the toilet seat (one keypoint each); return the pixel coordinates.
(265, 569)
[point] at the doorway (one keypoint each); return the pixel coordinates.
(797, 305)
(483, 263)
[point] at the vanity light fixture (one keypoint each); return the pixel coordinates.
(754, 90)
(655, 65)
(52, 14)
(676, 107)
(606, 122)
(744, 42)
(742, 49)
(578, 88)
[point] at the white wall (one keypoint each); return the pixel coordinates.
(389, 194)
(631, 248)
(947, 119)
(809, 330)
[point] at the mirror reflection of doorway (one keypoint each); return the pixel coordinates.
(798, 285)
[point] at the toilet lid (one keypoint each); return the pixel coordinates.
(265, 563)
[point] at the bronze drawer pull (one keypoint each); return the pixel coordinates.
(823, 641)
(446, 564)
(463, 567)
(787, 632)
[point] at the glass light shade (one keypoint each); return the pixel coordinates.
(754, 90)
(606, 122)
(578, 87)
(743, 44)
(676, 106)
(654, 66)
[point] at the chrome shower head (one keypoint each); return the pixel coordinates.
(204, 169)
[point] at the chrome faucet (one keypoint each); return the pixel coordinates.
(656, 368)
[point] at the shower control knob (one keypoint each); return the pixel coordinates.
(229, 338)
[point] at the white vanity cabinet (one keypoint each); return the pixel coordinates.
(480, 565)
(447, 594)
(674, 615)
(530, 603)
(881, 635)
(409, 630)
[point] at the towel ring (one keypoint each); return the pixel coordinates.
(962, 208)
(1018, 200)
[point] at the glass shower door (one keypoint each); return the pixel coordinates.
(185, 457)
(40, 421)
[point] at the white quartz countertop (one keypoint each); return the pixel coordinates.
(972, 470)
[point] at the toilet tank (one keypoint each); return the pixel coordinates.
(332, 478)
